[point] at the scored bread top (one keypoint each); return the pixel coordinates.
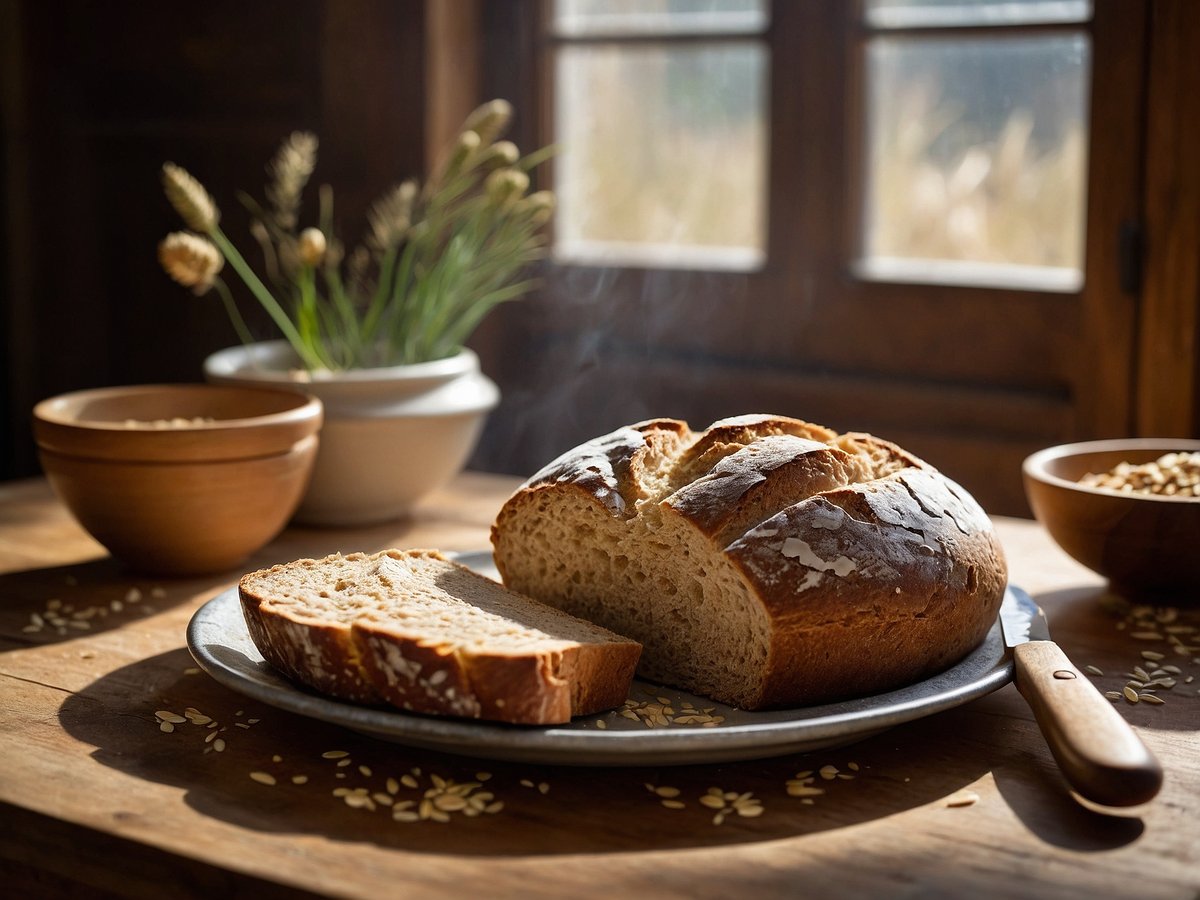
(417, 630)
(761, 560)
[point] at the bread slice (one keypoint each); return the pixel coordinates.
(416, 630)
(763, 562)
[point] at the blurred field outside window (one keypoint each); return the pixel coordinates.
(976, 131)
(976, 165)
(661, 116)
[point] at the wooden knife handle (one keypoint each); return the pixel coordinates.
(1098, 752)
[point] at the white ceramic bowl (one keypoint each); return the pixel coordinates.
(391, 435)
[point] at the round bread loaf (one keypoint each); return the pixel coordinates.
(764, 562)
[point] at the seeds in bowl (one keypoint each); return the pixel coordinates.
(176, 422)
(1171, 475)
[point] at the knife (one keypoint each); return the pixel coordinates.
(1099, 754)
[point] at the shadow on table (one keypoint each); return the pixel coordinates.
(1084, 625)
(59, 604)
(546, 810)
(1039, 796)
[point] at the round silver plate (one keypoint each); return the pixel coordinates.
(218, 639)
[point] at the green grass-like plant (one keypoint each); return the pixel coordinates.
(435, 260)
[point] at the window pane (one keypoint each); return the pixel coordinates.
(943, 13)
(612, 17)
(663, 151)
(977, 154)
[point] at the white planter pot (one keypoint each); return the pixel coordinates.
(391, 435)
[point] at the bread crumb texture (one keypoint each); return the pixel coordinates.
(763, 562)
(420, 632)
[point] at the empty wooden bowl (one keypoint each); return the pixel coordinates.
(179, 479)
(1145, 544)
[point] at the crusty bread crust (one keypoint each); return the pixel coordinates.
(766, 562)
(375, 655)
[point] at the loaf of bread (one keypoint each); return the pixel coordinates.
(413, 629)
(765, 562)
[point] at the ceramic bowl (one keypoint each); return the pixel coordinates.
(179, 479)
(392, 435)
(1145, 544)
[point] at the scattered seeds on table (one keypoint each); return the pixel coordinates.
(802, 786)
(963, 798)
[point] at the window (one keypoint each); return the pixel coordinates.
(930, 254)
(976, 128)
(660, 114)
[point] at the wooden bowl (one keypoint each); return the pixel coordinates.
(1145, 544)
(179, 479)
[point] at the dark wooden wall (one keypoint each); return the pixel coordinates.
(96, 96)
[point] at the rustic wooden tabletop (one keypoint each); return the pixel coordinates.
(98, 797)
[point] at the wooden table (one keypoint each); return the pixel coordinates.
(96, 799)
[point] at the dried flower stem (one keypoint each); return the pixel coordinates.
(290, 170)
(235, 316)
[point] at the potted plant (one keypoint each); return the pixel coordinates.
(376, 333)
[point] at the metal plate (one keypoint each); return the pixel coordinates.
(219, 641)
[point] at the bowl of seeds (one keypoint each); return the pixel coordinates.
(183, 479)
(1127, 509)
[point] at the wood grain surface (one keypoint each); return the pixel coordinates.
(97, 800)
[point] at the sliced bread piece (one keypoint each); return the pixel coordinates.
(416, 630)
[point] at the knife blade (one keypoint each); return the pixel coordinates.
(1098, 752)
